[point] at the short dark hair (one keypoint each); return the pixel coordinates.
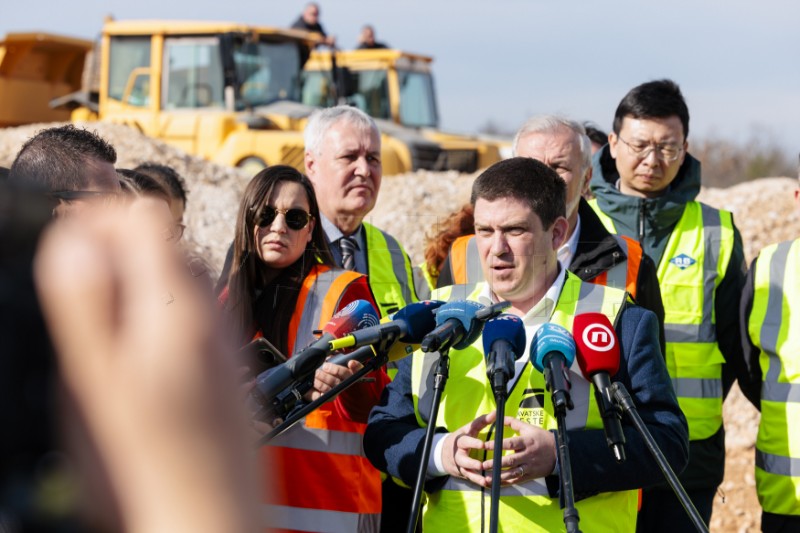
(137, 184)
(595, 134)
(168, 177)
(3, 173)
(654, 99)
(56, 158)
(525, 179)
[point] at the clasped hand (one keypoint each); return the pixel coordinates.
(534, 452)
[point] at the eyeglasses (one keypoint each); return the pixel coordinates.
(296, 219)
(667, 152)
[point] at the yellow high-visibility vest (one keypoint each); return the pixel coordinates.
(693, 265)
(525, 506)
(774, 327)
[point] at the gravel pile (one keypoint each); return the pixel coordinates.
(412, 205)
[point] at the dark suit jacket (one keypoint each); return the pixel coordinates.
(393, 440)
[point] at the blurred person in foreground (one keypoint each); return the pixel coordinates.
(74, 166)
(519, 207)
(138, 424)
(770, 324)
(645, 185)
(285, 279)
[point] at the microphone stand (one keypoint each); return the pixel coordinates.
(499, 381)
(626, 402)
(561, 402)
(439, 380)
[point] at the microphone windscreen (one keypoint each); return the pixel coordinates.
(464, 311)
(419, 319)
(551, 338)
(506, 327)
(356, 315)
(596, 340)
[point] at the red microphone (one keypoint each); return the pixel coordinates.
(598, 357)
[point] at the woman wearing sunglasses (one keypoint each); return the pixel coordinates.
(283, 274)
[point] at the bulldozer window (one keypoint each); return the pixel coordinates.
(192, 74)
(417, 103)
(126, 55)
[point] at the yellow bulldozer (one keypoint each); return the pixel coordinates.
(397, 89)
(231, 93)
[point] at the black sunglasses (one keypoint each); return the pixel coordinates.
(295, 218)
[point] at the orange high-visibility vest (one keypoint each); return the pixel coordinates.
(324, 481)
(465, 264)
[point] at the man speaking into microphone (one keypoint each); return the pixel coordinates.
(520, 223)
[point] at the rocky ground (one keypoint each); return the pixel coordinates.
(410, 206)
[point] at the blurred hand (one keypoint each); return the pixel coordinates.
(151, 397)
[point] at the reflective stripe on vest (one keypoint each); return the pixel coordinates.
(465, 264)
(316, 460)
(774, 327)
(695, 260)
(459, 505)
(390, 275)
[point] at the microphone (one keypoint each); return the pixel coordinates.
(598, 357)
(503, 343)
(410, 324)
(552, 353)
(358, 313)
(457, 326)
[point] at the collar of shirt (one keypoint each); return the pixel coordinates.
(333, 233)
(568, 249)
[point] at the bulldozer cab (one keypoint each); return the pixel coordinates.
(386, 84)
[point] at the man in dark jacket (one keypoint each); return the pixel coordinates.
(645, 184)
(309, 21)
(519, 208)
(590, 252)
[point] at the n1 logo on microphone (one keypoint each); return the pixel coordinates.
(599, 337)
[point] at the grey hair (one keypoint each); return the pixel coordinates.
(321, 120)
(551, 123)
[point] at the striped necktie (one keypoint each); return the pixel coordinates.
(348, 249)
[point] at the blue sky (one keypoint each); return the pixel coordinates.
(736, 60)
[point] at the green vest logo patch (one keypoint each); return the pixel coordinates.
(682, 261)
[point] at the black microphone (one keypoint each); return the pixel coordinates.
(456, 326)
(552, 353)
(269, 384)
(598, 357)
(503, 343)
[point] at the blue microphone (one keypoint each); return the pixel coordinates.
(552, 353)
(503, 343)
(410, 324)
(457, 326)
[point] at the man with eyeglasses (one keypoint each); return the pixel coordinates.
(645, 184)
(72, 165)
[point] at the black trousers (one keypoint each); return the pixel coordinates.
(779, 523)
